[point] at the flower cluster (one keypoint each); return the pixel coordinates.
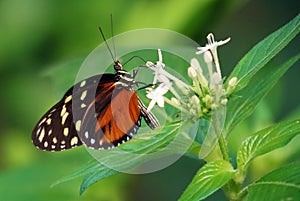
(206, 92)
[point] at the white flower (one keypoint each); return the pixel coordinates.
(160, 74)
(212, 44)
(211, 54)
(156, 95)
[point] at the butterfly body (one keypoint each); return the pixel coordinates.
(101, 112)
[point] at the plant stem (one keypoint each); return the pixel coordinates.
(232, 188)
(221, 139)
(223, 148)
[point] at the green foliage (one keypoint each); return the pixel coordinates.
(37, 34)
(245, 100)
(135, 152)
(100, 173)
(266, 140)
(255, 80)
(263, 52)
(280, 184)
(208, 179)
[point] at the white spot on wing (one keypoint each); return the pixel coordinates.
(48, 121)
(63, 110)
(82, 83)
(83, 105)
(86, 134)
(74, 141)
(38, 131)
(77, 125)
(64, 117)
(83, 95)
(41, 137)
(68, 98)
(54, 140)
(66, 132)
(43, 120)
(92, 141)
(46, 144)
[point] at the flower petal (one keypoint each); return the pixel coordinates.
(160, 101)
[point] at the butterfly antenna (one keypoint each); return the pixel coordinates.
(102, 34)
(134, 57)
(112, 35)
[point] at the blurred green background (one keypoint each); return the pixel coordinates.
(37, 37)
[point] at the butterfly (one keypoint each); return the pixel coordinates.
(101, 112)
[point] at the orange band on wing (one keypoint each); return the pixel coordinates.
(120, 116)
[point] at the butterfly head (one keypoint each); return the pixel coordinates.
(118, 66)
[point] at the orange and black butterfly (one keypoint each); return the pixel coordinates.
(100, 112)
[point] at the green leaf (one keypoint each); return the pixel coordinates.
(266, 140)
(82, 171)
(208, 179)
(101, 173)
(263, 52)
(247, 99)
(146, 146)
(280, 184)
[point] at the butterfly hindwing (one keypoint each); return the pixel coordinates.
(112, 118)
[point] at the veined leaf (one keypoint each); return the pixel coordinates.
(101, 173)
(208, 179)
(280, 184)
(263, 52)
(86, 169)
(247, 99)
(266, 140)
(139, 151)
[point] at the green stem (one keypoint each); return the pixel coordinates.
(232, 188)
(221, 139)
(223, 147)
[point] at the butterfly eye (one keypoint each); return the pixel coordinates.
(118, 66)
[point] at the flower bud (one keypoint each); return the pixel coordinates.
(175, 101)
(207, 57)
(196, 65)
(195, 100)
(216, 79)
(231, 85)
(224, 101)
(232, 82)
(192, 73)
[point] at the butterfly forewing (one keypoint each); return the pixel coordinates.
(57, 129)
